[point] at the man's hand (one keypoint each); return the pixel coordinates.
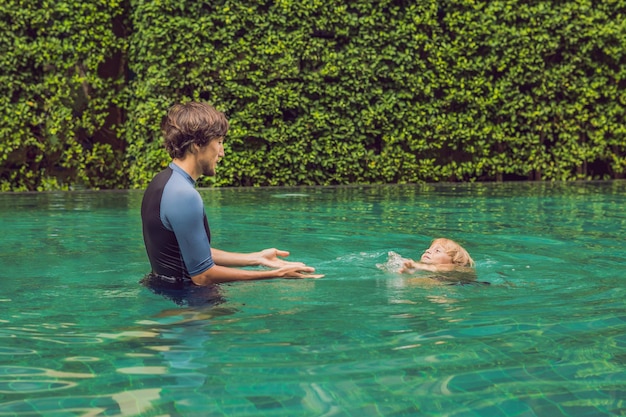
(271, 258)
(297, 272)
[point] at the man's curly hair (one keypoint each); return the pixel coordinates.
(189, 123)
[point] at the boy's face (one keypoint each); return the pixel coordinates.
(437, 255)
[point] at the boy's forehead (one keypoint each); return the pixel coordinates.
(443, 246)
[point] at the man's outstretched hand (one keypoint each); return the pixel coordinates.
(272, 258)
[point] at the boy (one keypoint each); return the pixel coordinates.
(442, 255)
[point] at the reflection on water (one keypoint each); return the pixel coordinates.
(80, 336)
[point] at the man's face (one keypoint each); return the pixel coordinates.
(210, 155)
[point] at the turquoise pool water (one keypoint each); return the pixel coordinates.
(80, 337)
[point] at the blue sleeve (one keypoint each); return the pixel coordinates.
(182, 211)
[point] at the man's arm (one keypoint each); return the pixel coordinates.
(217, 274)
(268, 257)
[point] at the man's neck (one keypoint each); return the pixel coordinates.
(187, 165)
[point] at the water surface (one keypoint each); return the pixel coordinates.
(80, 336)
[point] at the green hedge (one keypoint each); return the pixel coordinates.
(56, 98)
(317, 92)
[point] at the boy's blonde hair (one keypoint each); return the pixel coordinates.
(458, 254)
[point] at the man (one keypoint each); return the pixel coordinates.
(175, 227)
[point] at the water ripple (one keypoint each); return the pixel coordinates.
(10, 351)
(121, 404)
(28, 387)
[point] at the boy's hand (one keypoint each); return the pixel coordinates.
(408, 266)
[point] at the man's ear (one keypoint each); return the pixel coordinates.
(194, 148)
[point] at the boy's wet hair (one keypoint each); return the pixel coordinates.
(458, 254)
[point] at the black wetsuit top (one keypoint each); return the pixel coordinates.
(175, 227)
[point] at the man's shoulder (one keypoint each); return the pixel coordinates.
(181, 190)
(159, 181)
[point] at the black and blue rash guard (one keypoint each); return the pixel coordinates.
(175, 227)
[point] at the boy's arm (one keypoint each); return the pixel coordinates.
(411, 265)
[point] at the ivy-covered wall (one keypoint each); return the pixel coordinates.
(57, 98)
(317, 92)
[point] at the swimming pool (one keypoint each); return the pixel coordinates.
(79, 336)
